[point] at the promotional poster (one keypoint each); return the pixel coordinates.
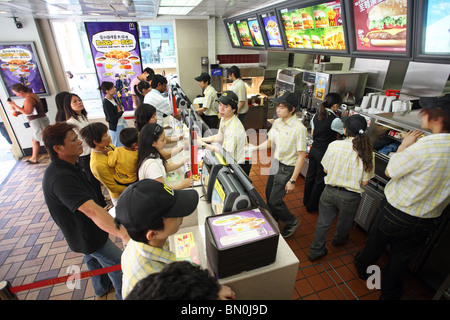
(116, 54)
(272, 29)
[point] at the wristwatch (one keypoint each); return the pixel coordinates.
(292, 181)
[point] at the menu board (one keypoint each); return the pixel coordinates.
(240, 228)
(380, 25)
(317, 27)
(255, 32)
(271, 27)
(244, 33)
(437, 24)
(233, 35)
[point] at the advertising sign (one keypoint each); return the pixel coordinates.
(116, 55)
(233, 35)
(437, 39)
(272, 30)
(244, 33)
(255, 32)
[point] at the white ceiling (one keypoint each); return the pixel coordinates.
(123, 9)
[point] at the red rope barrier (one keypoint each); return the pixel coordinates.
(49, 282)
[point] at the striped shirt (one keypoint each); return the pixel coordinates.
(210, 101)
(233, 138)
(139, 260)
(289, 137)
(344, 166)
(162, 105)
(420, 177)
(238, 87)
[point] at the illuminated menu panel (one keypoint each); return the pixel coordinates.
(317, 27)
(437, 24)
(244, 33)
(380, 25)
(233, 35)
(255, 32)
(272, 29)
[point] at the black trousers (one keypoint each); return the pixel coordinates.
(314, 181)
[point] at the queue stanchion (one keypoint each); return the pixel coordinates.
(5, 292)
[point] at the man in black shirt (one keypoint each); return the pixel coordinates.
(75, 208)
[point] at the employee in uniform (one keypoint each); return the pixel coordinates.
(210, 108)
(416, 195)
(238, 87)
(325, 127)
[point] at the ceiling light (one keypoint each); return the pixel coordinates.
(179, 3)
(174, 10)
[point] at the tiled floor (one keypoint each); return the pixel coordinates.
(32, 248)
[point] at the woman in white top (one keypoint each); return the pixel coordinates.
(151, 165)
(76, 115)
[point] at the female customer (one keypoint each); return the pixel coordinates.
(59, 100)
(33, 109)
(76, 115)
(113, 112)
(151, 164)
(97, 137)
(325, 126)
(141, 89)
(349, 164)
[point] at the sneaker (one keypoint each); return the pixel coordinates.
(290, 229)
(312, 259)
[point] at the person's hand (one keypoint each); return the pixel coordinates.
(409, 139)
(186, 183)
(226, 293)
(290, 187)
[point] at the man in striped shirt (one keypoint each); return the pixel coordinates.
(210, 108)
(416, 195)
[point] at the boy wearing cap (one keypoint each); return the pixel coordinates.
(238, 87)
(231, 133)
(416, 195)
(151, 212)
(209, 110)
(288, 137)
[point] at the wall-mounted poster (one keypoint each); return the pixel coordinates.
(20, 64)
(116, 55)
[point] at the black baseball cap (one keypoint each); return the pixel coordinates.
(146, 200)
(287, 96)
(229, 98)
(355, 124)
(205, 77)
(442, 102)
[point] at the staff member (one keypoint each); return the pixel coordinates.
(238, 87)
(325, 127)
(415, 197)
(210, 108)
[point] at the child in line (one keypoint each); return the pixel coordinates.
(124, 159)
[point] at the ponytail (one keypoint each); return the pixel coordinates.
(363, 147)
(330, 100)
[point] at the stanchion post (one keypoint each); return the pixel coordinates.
(5, 293)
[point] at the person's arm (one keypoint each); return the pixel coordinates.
(264, 146)
(111, 111)
(135, 100)
(226, 293)
(28, 106)
(174, 165)
(240, 105)
(290, 187)
(409, 139)
(102, 173)
(103, 220)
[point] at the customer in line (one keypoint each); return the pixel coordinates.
(113, 110)
(145, 76)
(288, 137)
(349, 164)
(325, 128)
(415, 196)
(75, 208)
(151, 212)
(155, 98)
(59, 100)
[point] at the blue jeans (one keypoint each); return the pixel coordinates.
(107, 256)
(334, 201)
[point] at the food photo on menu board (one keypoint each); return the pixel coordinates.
(255, 32)
(316, 27)
(272, 30)
(437, 39)
(116, 55)
(380, 25)
(234, 37)
(244, 33)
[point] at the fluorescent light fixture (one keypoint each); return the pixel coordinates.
(179, 3)
(174, 10)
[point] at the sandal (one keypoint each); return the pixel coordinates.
(31, 162)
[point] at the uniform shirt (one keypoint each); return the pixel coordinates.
(336, 124)
(210, 101)
(124, 163)
(289, 137)
(420, 177)
(238, 87)
(139, 260)
(344, 166)
(156, 99)
(80, 124)
(234, 138)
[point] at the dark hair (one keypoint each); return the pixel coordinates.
(68, 108)
(330, 100)
(149, 134)
(19, 87)
(150, 73)
(235, 70)
(138, 88)
(106, 85)
(55, 135)
(158, 79)
(141, 235)
(180, 280)
(93, 133)
(143, 114)
(128, 136)
(356, 126)
(59, 100)
(435, 114)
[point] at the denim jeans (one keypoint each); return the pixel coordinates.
(405, 234)
(275, 191)
(334, 201)
(107, 256)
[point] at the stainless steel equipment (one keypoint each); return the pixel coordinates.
(291, 80)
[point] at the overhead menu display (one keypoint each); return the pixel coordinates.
(437, 40)
(244, 33)
(233, 35)
(380, 25)
(317, 27)
(272, 29)
(255, 32)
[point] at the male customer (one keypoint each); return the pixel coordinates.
(151, 212)
(147, 75)
(238, 87)
(156, 98)
(74, 206)
(288, 137)
(210, 108)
